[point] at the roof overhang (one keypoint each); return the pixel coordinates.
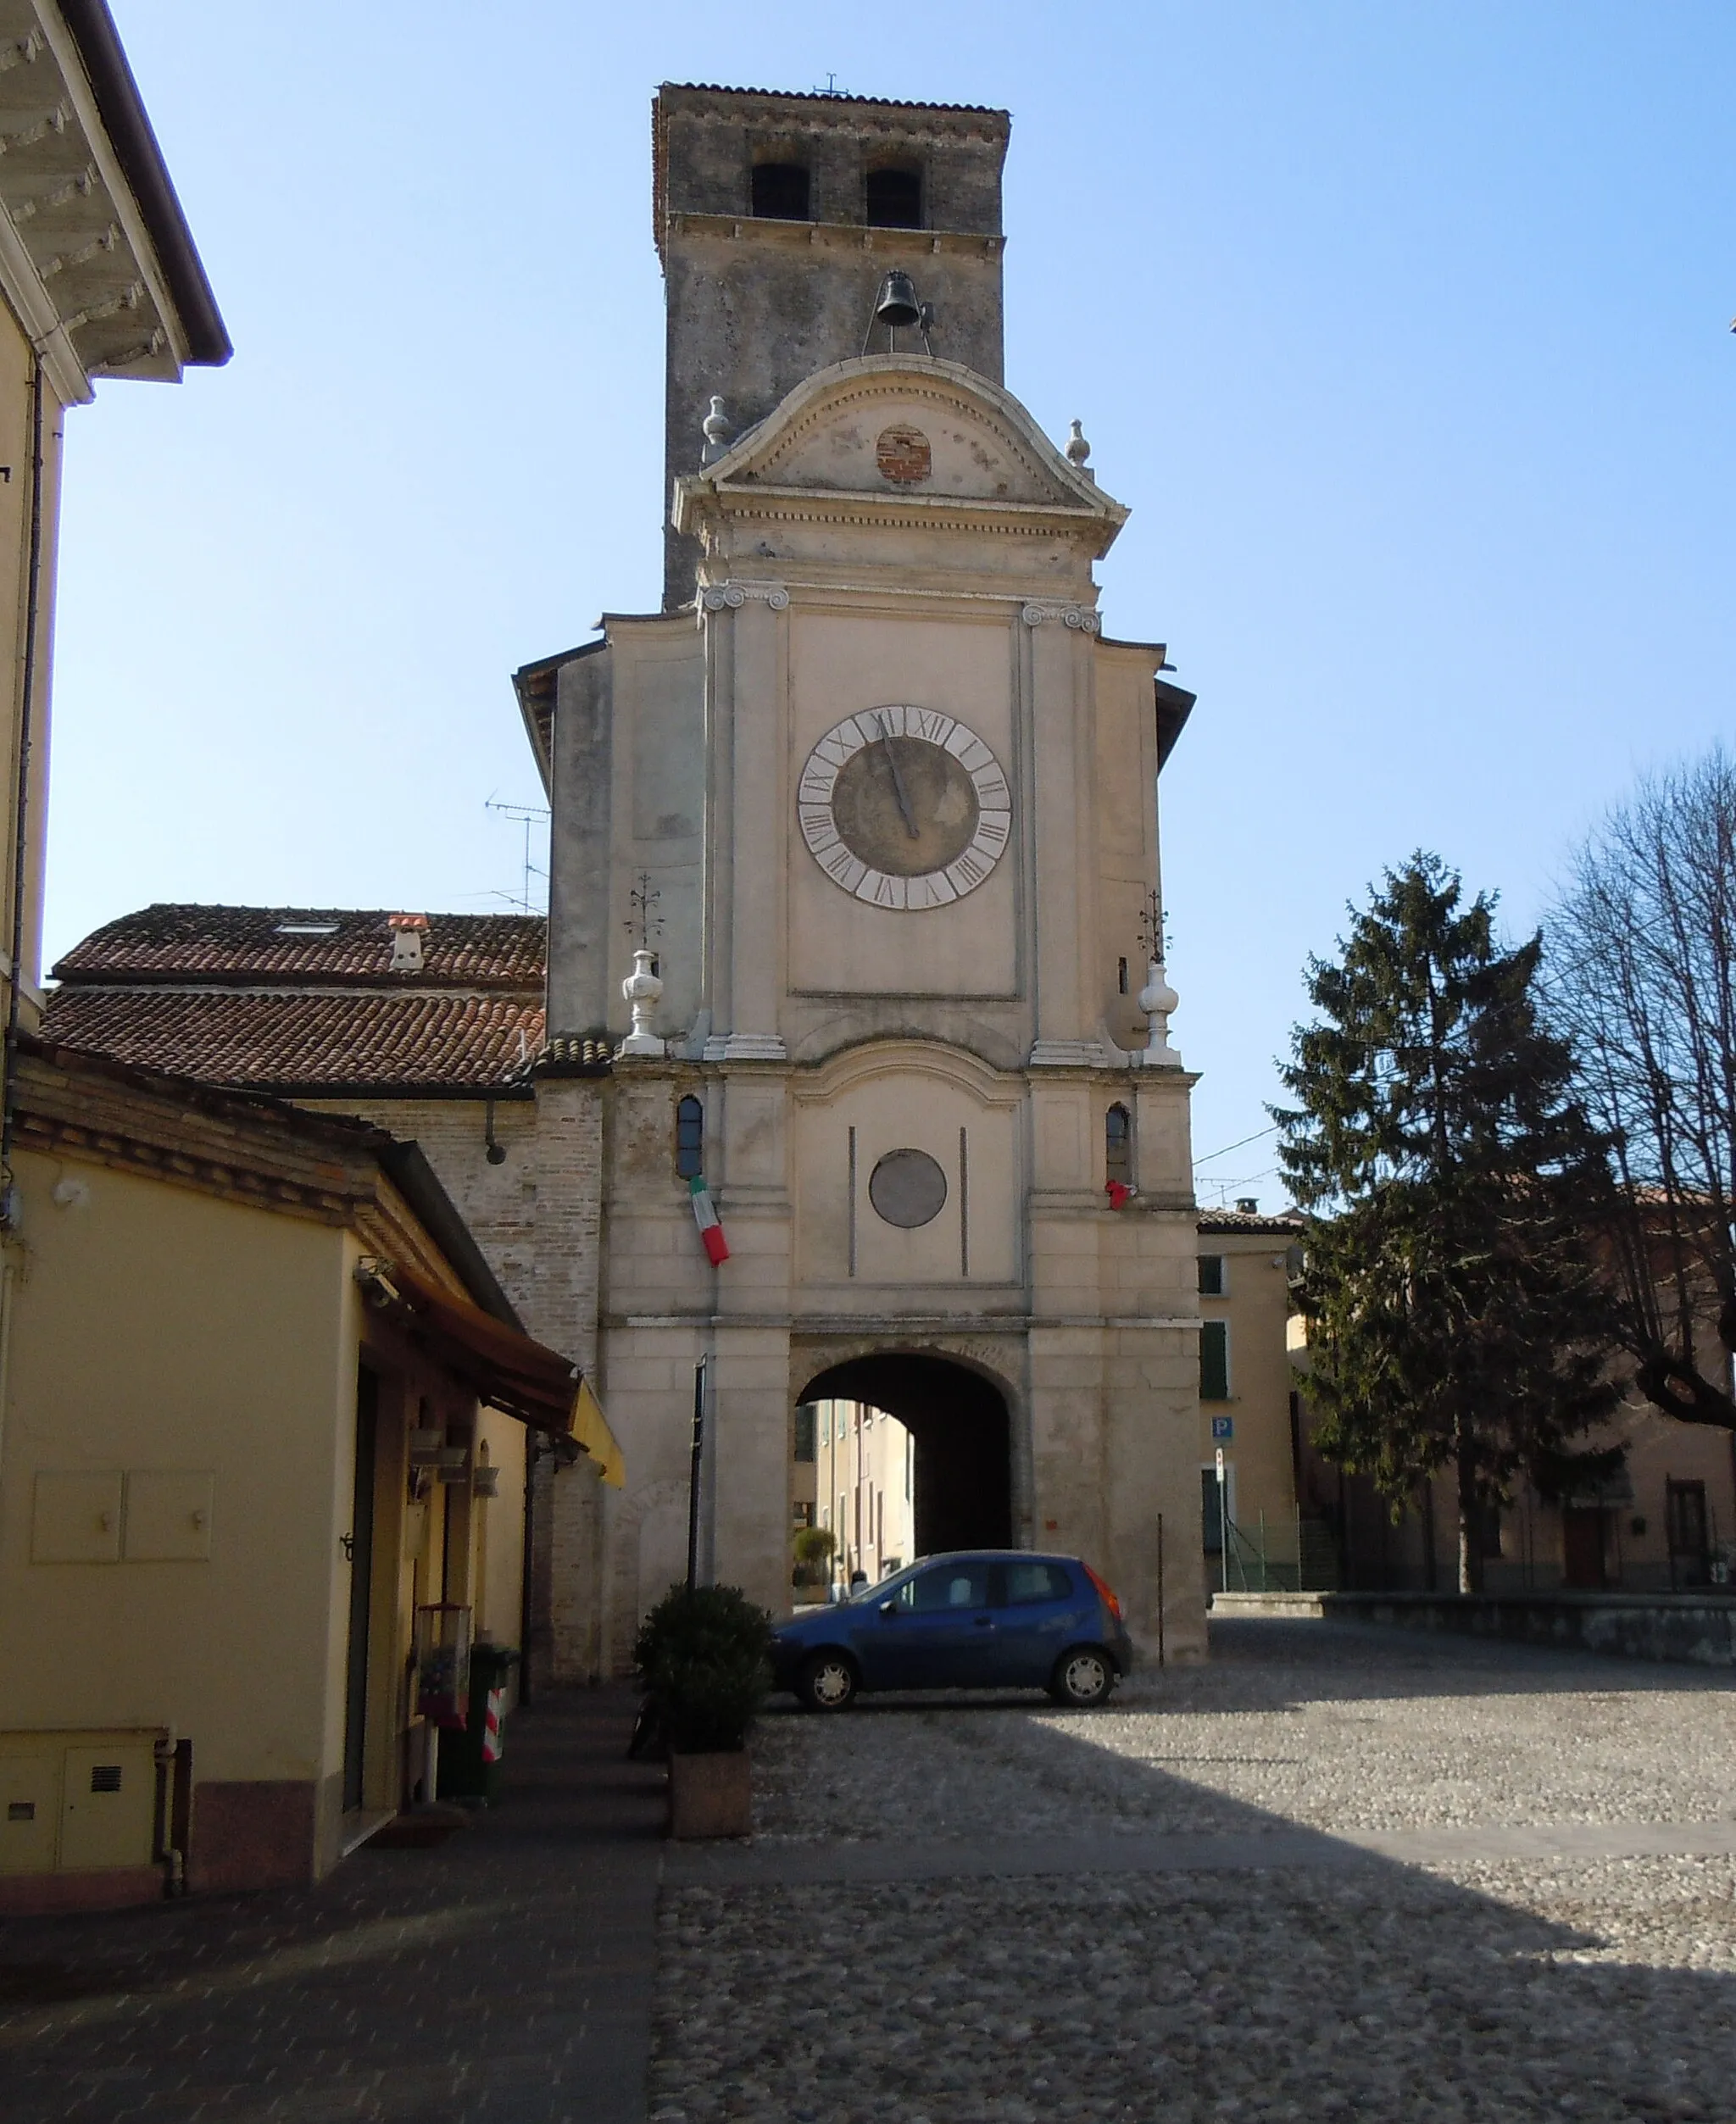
(505, 1368)
(96, 256)
(1175, 704)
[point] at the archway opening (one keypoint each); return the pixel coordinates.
(960, 1460)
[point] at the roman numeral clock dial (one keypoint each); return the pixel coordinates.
(904, 807)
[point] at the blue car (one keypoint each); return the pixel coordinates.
(998, 1619)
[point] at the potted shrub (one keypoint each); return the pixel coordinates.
(703, 1653)
(813, 1547)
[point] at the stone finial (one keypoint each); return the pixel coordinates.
(714, 427)
(1078, 449)
(1157, 999)
(643, 990)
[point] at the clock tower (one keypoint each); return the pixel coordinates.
(878, 795)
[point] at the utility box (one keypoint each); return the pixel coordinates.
(79, 1802)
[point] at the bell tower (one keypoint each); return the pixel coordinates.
(853, 874)
(778, 219)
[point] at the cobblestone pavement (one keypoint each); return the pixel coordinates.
(505, 1976)
(1478, 1986)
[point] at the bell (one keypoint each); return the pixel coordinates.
(897, 304)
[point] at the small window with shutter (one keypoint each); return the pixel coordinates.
(1211, 1276)
(1214, 1360)
(689, 1138)
(1118, 1145)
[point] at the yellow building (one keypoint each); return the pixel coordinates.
(1248, 1402)
(99, 278)
(861, 1480)
(265, 1432)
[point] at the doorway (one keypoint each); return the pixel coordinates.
(1584, 1566)
(960, 1465)
(359, 1546)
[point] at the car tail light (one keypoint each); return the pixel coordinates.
(1104, 1594)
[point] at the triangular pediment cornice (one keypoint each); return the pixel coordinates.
(902, 439)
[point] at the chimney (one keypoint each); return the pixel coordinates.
(408, 931)
(1248, 1205)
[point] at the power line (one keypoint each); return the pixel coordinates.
(1228, 1147)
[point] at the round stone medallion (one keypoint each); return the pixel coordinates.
(902, 452)
(907, 1188)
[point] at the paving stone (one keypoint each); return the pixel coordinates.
(1461, 1991)
(506, 1975)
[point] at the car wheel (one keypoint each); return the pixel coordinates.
(827, 1682)
(1082, 1679)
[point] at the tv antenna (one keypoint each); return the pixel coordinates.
(527, 815)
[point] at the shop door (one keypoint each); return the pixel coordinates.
(1583, 1548)
(360, 1546)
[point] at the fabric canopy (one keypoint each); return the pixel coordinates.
(509, 1372)
(590, 1429)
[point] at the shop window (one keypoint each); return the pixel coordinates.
(894, 199)
(689, 1138)
(1118, 1145)
(780, 191)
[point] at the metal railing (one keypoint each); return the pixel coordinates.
(1297, 1556)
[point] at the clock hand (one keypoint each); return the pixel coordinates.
(898, 782)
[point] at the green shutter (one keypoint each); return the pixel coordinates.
(1215, 1361)
(1211, 1276)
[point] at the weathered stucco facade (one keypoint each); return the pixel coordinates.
(893, 563)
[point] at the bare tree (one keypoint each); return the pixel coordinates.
(1643, 951)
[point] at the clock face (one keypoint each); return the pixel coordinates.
(904, 807)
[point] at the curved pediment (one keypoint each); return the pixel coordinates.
(906, 431)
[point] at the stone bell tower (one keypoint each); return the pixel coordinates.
(865, 820)
(777, 217)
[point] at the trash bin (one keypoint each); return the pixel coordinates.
(470, 1760)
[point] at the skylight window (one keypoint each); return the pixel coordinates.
(307, 929)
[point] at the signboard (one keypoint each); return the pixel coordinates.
(1223, 1426)
(1220, 1467)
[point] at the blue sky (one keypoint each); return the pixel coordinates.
(1404, 331)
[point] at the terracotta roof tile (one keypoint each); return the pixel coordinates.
(1287, 1222)
(569, 1053)
(294, 946)
(308, 1043)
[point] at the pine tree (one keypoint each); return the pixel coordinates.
(1456, 1318)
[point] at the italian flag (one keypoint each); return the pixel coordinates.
(710, 1231)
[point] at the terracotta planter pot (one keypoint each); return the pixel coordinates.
(710, 1795)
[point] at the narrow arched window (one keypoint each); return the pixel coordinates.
(689, 1138)
(894, 199)
(1118, 1145)
(780, 191)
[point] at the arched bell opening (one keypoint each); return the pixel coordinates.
(961, 1429)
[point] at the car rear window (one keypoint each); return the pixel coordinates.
(1027, 1582)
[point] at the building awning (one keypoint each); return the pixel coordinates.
(509, 1372)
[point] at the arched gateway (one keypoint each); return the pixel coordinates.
(875, 796)
(961, 1429)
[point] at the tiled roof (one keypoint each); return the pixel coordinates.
(567, 1053)
(830, 96)
(307, 946)
(1288, 1224)
(310, 1044)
